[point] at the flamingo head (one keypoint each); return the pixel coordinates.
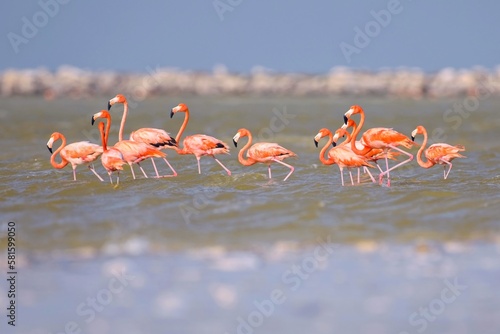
(101, 114)
(355, 109)
(182, 107)
(322, 133)
(419, 130)
(241, 133)
(350, 124)
(53, 137)
(338, 134)
(119, 98)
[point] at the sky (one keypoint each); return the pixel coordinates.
(281, 35)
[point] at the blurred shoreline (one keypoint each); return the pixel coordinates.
(403, 82)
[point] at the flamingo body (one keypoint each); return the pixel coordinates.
(154, 137)
(134, 152)
(201, 145)
(268, 152)
(383, 138)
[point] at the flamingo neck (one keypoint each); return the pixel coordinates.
(104, 139)
(424, 164)
(183, 127)
(241, 158)
(106, 133)
(328, 161)
(355, 133)
(63, 162)
(122, 124)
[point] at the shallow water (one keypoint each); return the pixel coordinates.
(204, 248)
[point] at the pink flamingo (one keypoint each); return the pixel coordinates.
(372, 155)
(156, 138)
(199, 145)
(78, 153)
(439, 153)
(111, 159)
(379, 138)
(341, 155)
(262, 152)
(133, 152)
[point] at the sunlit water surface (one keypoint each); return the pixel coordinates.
(207, 253)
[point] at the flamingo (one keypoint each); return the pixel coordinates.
(111, 159)
(262, 152)
(341, 155)
(439, 153)
(132, 151)
(78, 153)
(199, 145)
(156, 138)
(374, 154)
(379, 138)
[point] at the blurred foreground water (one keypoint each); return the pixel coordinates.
(239, 254)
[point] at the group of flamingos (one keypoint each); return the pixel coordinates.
(145, 143)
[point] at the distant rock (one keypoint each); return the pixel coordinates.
(402, 82)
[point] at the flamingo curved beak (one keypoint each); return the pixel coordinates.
(93, 120)
(334, 144)
(345, 119)
(412, 138)
(50, 148)
(171, 113)
(235, 143)
(315, 142)
(109, 105)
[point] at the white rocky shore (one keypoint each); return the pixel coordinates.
(403, 82)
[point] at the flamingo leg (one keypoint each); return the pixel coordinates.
(378, 166)
(91, 167)
(371, 176)
(143, 172)
(410, 158)
(132, 169)
(110, 179)
(350, 174)
(359, 173)
(199, 168)
(154, 165)
(220, 163)
(74, 172)
(342, 175)
(386, 168)
(169, 165)
(284, 164)
(446, 173)
(269, 170)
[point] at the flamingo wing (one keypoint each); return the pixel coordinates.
(155, 137)
(345, 157)
(136, 152)
(381, 137)
(81, 152)
(268, 151)
(205, 145)
(443, 151)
